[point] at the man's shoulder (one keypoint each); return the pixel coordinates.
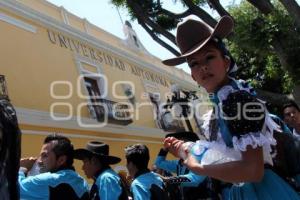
(147, 178)
(46, 178)
(149, 174)
(137, 183)
(69, 174)
(53, 175)
(62, 176)
(108, 175)
(65, 173)
(43, 176)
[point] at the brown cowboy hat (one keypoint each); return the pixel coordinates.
(98, 149)
(192, 35)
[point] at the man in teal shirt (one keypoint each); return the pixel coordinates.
(58, 179)
(146, 185)
(96, 160)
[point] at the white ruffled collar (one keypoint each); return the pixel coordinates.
(228, 89)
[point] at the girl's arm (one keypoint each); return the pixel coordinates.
(249, 169)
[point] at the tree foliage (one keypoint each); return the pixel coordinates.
(253, 46)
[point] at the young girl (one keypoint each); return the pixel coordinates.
(239, 123)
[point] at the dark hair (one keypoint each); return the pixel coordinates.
(291, 103)
(220, 45)
(138, 154)
(63, 146)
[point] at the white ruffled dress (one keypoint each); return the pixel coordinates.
(218, 151)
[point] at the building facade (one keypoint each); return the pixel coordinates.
(65, 75)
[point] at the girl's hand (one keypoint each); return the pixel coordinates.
(167, 142)
(173, 145)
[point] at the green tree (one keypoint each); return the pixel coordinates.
(254, 45)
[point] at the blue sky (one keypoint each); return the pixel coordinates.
(105, 15)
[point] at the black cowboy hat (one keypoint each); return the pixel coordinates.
(192, 35)
(185, 136)
(98, 149)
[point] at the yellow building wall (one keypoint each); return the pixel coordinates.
(31, 62)
(109, 38)
(44, 7)
(73, 21)
(41, 63)
(45, 63)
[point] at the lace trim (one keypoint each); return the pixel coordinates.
(205, 126)
(263, 139)
(228, 89)
(224, 92)
(254, 139)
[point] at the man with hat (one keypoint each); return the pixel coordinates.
(96, 160)
(191, 184)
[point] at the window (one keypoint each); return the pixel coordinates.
(95, 86)
(94, 92)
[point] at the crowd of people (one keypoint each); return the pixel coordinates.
(57, 178)
(180, 179)
(246, 145)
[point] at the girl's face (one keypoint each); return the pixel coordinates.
(209, 68)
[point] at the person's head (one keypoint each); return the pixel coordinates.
(291, 114)
(209, 67)
(92, 165)
(95, 157)
(201, 47)
(56, 153)
(137, 157)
